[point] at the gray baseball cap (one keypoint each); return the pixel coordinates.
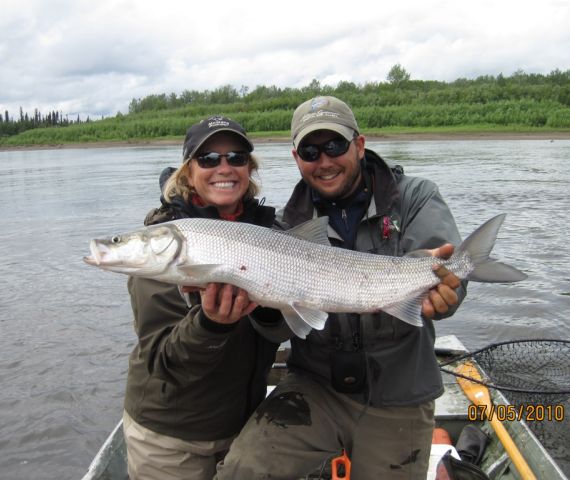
(323, 113)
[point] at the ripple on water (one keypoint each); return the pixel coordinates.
(67, 328)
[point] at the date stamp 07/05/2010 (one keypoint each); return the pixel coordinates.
(528, 413)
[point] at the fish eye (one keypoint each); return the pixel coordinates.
(116, 239)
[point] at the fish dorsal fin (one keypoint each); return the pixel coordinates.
(314, 231)
(409, 311)
(302, 320)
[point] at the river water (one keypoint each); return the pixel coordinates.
(65, 327)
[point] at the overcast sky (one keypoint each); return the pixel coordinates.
(93, 57)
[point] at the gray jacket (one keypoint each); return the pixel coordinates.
(405, 214)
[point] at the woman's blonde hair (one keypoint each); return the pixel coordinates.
(178, 185)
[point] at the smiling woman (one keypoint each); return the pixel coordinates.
(217, 168)
(220, 173)
(187, 397)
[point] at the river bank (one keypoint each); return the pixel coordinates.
(389, 137)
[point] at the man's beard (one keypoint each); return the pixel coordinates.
(346, 189)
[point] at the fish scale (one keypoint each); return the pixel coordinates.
(295, 271)
(280, 267)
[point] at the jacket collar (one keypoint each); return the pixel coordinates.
(253, 212)
(377, 173)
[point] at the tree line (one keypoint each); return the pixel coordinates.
(399, 89)
(10, 125)
(516, 102)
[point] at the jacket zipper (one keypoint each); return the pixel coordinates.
(356, 344)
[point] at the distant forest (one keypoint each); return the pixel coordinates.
(522, 101)
(12, 126)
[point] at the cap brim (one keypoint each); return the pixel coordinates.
(346, 132)
(211, 134)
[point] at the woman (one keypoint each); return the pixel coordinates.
(199, 368)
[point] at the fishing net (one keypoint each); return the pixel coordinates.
(535, 376)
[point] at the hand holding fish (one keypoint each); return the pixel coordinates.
(443, 295)
(221, 305)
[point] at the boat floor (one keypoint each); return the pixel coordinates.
(450, 413)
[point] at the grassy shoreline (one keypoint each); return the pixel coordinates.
(283, 137)
(520, 106)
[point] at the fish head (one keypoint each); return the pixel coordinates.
(145, 253)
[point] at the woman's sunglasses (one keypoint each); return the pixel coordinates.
(213, 159)
(333, 148)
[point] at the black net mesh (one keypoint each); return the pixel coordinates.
(533, 375)
(528, 367)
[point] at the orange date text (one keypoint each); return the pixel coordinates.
(528, 413)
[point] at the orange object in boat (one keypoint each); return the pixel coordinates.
(341, 467)
(440, 436)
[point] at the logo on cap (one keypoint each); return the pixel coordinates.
(214, 122)
(318, 102)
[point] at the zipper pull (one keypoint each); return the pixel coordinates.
(395, 224)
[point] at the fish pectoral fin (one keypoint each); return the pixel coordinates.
(302, 320)
(297, 325)
(409, 311)
(315, 318)
(198, 270)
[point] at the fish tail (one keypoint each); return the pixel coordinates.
(478, 247)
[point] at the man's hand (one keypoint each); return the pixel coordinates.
(221, 304)
(443, 295)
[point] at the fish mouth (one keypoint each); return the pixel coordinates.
(95, 257)
(89, 260)
(98, 257)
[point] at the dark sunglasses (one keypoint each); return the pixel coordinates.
(333, 148)
(213, 159)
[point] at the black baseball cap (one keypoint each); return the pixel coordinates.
(200, 132)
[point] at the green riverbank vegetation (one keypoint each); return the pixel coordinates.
(522, 102)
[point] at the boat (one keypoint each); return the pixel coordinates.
(453, 412)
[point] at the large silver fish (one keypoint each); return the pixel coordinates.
(297, 271)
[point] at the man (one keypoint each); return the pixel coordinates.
(366, 383)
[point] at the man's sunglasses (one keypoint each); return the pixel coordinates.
(333, 148)
(213, 159)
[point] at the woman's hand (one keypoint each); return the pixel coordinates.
(443, 295)
(224, 303)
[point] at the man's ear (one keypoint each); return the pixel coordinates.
(296, 157)
(360, 142)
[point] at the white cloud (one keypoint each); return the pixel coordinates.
(94, 57)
